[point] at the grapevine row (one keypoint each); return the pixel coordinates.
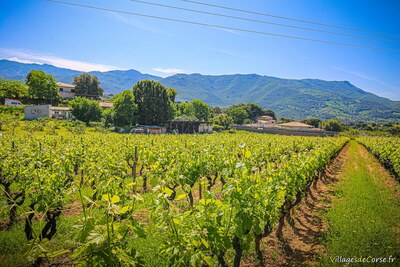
(387, 149)
(209, 196)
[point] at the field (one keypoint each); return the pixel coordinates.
(171, 200)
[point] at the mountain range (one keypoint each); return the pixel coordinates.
(297, 99)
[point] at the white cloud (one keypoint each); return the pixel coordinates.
(25, 61)
(226, 52)
(26, 57)
(170, 71)
(358, 74)
(131, 21)
(364, 76)
(227, 30)
(390, 92)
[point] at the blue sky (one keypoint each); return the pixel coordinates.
(86, 39)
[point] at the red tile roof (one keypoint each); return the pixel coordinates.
(65, 85)
(105, 104)
(295, 124)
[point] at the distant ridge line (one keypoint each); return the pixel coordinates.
(293, 98)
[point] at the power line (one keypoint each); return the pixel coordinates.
(222, 27)
(262, 21)
(288, 18)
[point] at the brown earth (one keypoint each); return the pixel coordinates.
(298, 241)
(384, 174)
(72, 209)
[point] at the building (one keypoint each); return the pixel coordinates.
(12, 102)
(265, 120)
(149, 129)
(37, 112)
(154, 129)
(296, 125)
(60, 113)
(66, 90)
(105, 105)
(205, 127)
(46, 111)
(188, 127)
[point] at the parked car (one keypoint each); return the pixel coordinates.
(137, 131)
(12, 102)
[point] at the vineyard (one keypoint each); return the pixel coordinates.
(172, 200)
(386, 149)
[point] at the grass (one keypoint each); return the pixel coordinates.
(13, 244)
(364, 217)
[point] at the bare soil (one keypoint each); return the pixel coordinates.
(72, 209)
(375, 167)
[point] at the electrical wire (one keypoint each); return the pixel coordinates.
(289, 18)
(223, 27)
(262, 21)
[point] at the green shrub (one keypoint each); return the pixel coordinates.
(217, 128)
(14, 111)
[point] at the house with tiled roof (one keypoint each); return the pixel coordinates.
(66, 90)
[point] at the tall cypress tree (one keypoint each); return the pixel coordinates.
(88, 86)
(153, 101)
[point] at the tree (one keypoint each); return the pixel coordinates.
(313, 121)
(268, 112)
(172, 94)
(153, 102)
(196, 108)
(217, 110)
(238, 114)
(182, 110)
(42, 87)
(88, 86)
(254, 111)
(85, 110)
(185, 117)
(108, 117)
(223, 120)
(333, 125)
(284, 120)
(202, 111)
(125, 109)
(12, 89)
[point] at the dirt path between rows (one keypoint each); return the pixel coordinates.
(384, 174)
(299, 243)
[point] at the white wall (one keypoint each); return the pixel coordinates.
(204, 128)
(36, 112)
